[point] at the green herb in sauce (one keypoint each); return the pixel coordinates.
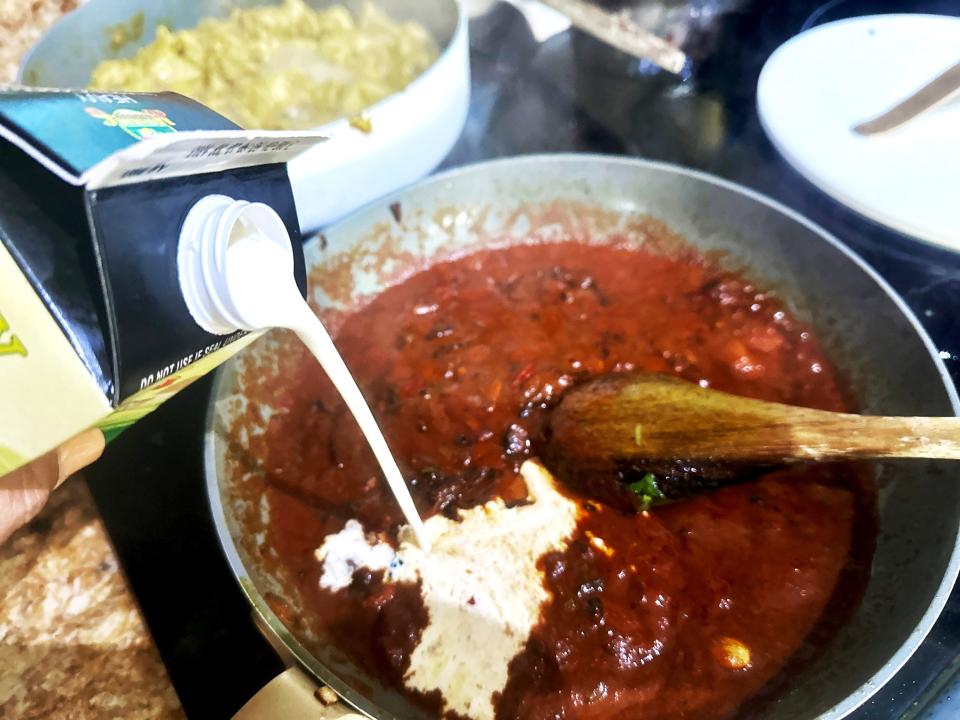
(646, 491)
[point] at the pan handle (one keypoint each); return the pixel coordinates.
(292, 695)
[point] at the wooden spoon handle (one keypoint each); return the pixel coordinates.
(623, 417)
(835, 436)
(809, 435)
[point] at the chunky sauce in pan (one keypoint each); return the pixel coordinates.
(701, 603)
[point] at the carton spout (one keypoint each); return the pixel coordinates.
(236, 267)
(236, 272)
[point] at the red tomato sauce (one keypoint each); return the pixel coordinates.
(461, 364)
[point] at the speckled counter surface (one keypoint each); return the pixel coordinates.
(22, 22)
(72, 642)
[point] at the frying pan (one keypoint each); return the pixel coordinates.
(888, 361)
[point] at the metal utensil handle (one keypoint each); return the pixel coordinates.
(292, 695)
(621, 32)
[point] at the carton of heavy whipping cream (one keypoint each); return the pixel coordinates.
(94, 191)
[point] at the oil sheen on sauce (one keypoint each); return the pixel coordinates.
(688, 612)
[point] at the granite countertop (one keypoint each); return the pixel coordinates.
(72, 641)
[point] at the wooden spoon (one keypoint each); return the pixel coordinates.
(660, 424)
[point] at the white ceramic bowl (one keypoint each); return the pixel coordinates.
(413, 130)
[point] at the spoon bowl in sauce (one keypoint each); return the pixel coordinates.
(634, 437)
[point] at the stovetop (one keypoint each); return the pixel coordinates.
(568, 93)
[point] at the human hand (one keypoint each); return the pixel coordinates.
(24, 491)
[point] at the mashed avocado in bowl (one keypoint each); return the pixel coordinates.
(279, 67)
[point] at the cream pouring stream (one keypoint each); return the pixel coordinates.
(236, 271)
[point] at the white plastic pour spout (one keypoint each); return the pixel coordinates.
(235, 265)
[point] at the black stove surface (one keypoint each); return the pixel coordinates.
(569, 93)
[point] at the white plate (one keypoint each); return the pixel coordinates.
(817, 86)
